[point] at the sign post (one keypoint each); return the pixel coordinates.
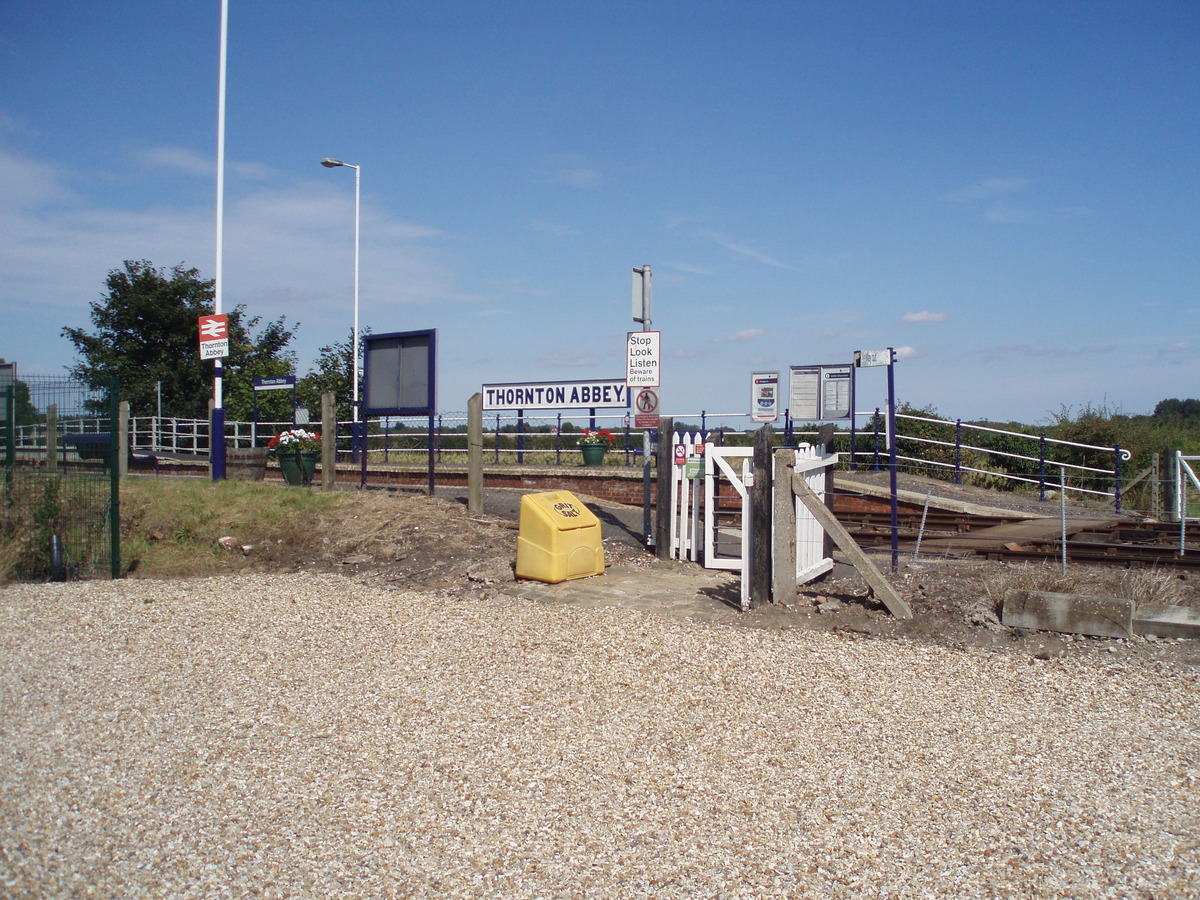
(647, 404)
(887, 357)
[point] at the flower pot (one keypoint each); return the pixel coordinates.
(299, 466)
(593, 454)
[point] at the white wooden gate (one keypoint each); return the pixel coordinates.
(727, 532)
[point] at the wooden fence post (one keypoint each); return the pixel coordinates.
(475, 455)
(760, 515)
(662, 489)
(783, 555)
(52, 437)
(328, 441)
(122, 426)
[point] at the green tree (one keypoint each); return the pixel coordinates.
(145, 333)
(1177, 409)
(334, 371)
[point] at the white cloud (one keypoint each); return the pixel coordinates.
(741, 337)
(987, 189)
(9, 125)
(27, 183)
(925, 316)
(688, 269)
(742, 250)
(178, 159)
(907, 352)
(288, 252)
(185, 161)
(555, 229)
(580, 177)
(1044, 350)
(568, 359)
(571, 170)
(1006, 214)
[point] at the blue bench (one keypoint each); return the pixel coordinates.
(95, 445)
(90, 446)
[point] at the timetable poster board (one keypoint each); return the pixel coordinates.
(821, 393)
(764, 396)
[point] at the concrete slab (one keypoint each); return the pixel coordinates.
(1167, 621)
(1068, 613)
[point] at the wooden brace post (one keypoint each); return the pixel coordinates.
(879, 586)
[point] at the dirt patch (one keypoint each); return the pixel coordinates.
(407, 539)
(418, 542)
(957, 603)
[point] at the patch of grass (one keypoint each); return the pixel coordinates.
(171, 527)
(1145, 587)
(1149, 587)
(1029, 578)
(14, 547)
(36, 507)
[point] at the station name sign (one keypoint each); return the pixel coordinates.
(556, 395)
(275, 383)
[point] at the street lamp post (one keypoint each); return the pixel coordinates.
(332, 164)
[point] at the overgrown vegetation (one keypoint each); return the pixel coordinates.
(172, 527)
(38, 508)
(1144, 587)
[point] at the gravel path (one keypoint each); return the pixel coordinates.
(312, 737)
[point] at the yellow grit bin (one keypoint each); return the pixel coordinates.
(559, 539)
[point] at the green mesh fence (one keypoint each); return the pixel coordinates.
(60, 515)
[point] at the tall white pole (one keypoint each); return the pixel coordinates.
(217, 428)
(330, 163)
(221, 169)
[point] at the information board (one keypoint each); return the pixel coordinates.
(764, 396)
(821, 393)
(401, 373)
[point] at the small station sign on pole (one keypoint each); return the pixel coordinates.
(887, 357)
(214, 336)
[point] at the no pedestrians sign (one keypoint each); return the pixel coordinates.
(646, 408)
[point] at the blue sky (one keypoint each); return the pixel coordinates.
(1006, 192)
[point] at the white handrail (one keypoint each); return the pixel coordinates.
(1126, 455)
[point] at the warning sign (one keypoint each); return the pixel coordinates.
(641, 360)
(645, 405)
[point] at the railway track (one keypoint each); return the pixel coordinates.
(1110, 541)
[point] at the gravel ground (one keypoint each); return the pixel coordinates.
(312, 736)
